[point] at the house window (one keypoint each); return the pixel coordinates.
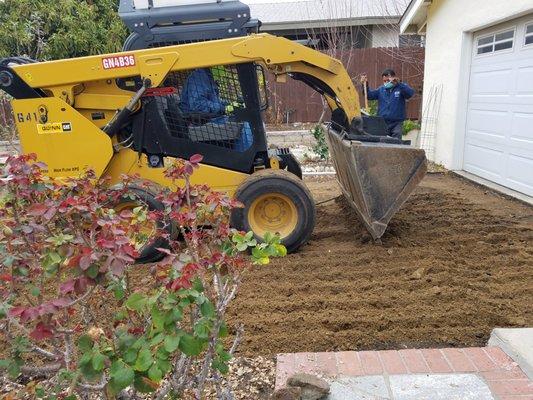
(495, 42)
(529, 34)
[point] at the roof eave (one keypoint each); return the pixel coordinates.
(277, 26)
(415, 15)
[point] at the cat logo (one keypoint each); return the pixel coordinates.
(54, 127)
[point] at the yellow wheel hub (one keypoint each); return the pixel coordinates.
(147, 229)
(274, 213)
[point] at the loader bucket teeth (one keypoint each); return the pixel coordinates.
(376, 178)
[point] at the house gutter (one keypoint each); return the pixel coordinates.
(415, 14)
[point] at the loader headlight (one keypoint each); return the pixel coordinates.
(155, 161)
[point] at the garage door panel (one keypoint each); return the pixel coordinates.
(524, 81)
(501, 83)
(488, 122)
(520, 173)
(487, 139)
(499, 127)
(484, 160)
(521, 134)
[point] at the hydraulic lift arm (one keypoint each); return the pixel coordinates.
(88, 82)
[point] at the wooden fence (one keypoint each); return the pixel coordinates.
(294, 101)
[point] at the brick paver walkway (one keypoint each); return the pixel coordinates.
(503, 376)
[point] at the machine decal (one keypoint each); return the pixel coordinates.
(66, 169)
(28, 117)
(118, 61)
(54, 127)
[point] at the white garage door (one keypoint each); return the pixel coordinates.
(499, 131)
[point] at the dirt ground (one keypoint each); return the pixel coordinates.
(456, 261)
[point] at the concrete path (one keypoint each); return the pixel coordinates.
(429, 374)
(517, 343)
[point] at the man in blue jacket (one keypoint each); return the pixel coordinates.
(200, 95)
(391, 99)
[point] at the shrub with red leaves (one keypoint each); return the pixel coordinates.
(63, 244)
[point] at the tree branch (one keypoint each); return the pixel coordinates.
(92, 388)
(237, 340)
(45, 370)
(34, 348)
(82, 297)
(45, 353)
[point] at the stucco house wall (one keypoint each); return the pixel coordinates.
(449, 41)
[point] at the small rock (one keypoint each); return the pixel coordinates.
(288, 393)
(313, 387)
(419, 273)
(436, 290)
(365, 238)
(517, 321)
(390, 251)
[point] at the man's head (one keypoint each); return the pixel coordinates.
(388, 75)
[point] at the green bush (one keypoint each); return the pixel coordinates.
(48, 30)
(321, 146)
(373, 107)
(409, 125)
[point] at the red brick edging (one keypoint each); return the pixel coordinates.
(504, 377)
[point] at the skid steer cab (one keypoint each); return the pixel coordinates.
(133, 112)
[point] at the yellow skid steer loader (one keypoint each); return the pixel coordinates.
(133, 112)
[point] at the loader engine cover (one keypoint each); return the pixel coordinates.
(376, 178)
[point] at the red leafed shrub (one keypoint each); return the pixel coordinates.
(64, 248)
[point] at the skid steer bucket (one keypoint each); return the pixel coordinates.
(376, 178)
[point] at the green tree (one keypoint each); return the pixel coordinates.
(47, 30)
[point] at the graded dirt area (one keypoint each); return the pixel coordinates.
(456, 261)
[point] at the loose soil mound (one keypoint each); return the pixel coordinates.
(456, 262)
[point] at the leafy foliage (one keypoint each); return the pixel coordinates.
(409, 125)
(46, 30)
(321, 146)
(65, 251)
(373, 108)
(7, 126)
